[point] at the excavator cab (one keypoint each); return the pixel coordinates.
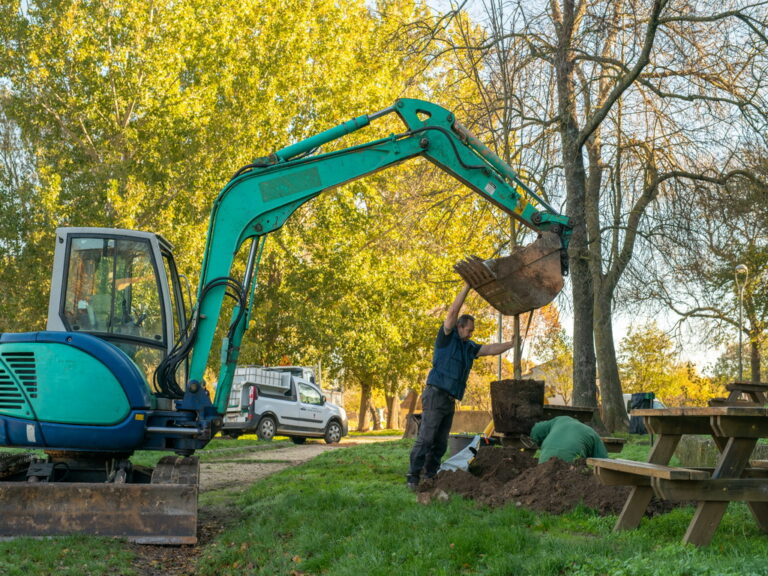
(119, 285)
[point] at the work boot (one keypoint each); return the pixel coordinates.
(413, 483)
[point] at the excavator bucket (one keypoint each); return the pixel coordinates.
(163, 511)
(527, 279)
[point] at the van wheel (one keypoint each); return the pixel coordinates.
(298, 439)
(333, 432)
(266, 428)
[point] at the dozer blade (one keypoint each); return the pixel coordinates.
(527, 279)
(162, 512)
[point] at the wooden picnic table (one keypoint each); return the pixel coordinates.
(755, 392)
(735, 430)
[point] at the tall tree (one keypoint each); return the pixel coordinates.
(622, 70)
(140, 111)
(23, 220)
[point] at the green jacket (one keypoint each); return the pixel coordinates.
(568, 439)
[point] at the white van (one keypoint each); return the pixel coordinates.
(278, 402)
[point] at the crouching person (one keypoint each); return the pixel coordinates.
(567, 439)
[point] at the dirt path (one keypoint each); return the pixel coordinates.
(234, 473)
(247, 468)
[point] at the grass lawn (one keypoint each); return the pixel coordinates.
(348, 512)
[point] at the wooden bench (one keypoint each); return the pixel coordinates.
(672, 483)
(580, 413)
(620, 472)
(728, 402)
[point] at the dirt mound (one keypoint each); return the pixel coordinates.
(502, 475)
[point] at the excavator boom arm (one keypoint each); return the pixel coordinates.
(260, 198)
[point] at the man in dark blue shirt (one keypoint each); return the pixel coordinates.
(451, 362)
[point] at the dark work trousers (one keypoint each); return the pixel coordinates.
(436, 418)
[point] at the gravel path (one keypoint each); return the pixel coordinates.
(252, 466)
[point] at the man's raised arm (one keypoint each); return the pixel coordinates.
(453, 311)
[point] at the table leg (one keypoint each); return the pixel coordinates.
(759, 509)
(634, 508)
(640, 496)
(760, 513)
(731, 464)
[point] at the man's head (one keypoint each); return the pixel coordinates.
(465, 326)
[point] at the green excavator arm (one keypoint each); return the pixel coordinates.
(262, 195)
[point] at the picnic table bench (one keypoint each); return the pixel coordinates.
(735, 430)
(580, 413)
(613, 445)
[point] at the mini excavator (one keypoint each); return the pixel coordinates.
(120, 367)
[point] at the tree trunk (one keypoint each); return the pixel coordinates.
(614, 416)
(518, 353)
(393, 411)
(365, 402)
(375, 418)
(754, 357)
(584, 369)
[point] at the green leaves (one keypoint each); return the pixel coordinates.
(134, 115)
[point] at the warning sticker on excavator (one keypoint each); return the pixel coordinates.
(490, 188)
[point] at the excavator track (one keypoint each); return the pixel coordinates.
(163, 511)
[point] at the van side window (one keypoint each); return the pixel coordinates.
(309, 395)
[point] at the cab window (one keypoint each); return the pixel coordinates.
(112, 288)
(309, 395)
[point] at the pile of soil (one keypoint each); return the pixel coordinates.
(502, 475)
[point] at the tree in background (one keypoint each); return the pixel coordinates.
(705, 233)
(641, 90)
(24, 219)
(649, 363)
(140, 112)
